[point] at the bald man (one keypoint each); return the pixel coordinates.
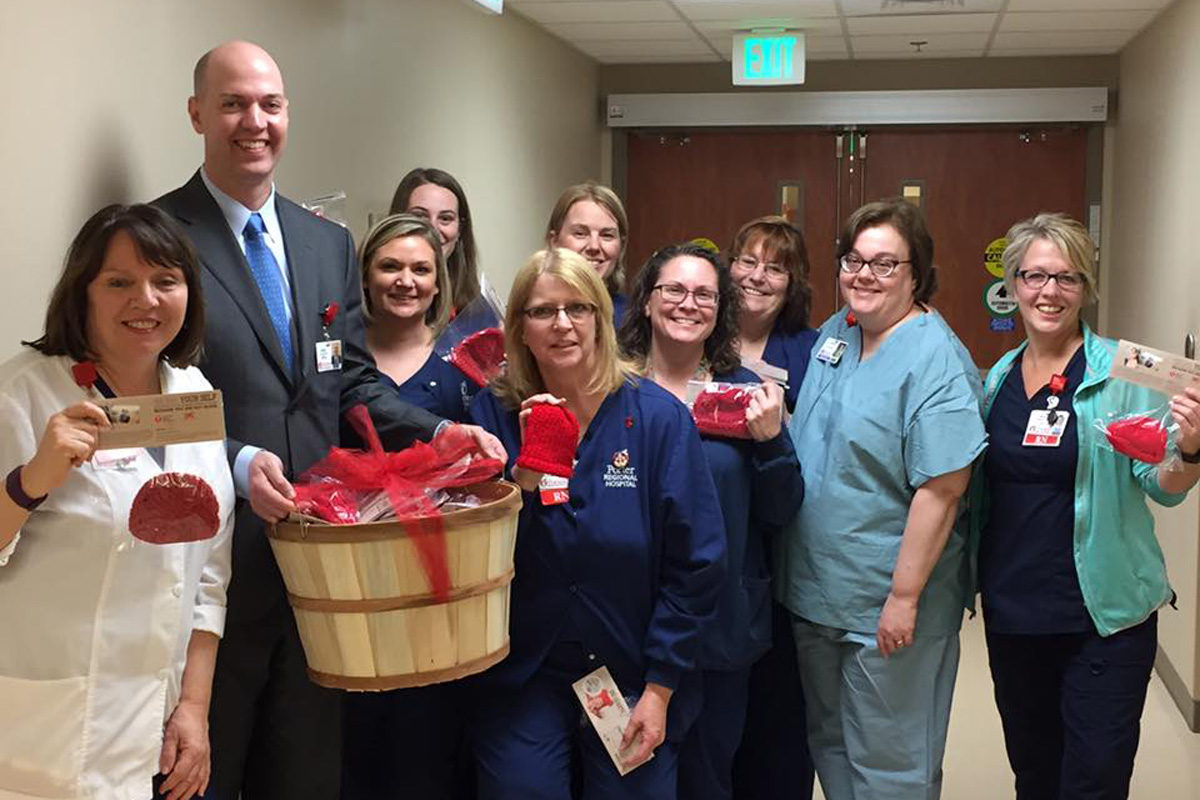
(273, 274)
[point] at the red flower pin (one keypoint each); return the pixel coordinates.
(329, 313)
(85, 374)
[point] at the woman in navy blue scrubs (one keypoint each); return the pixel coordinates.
(623, 573)
(685, 329)
(408, 742)
(1070, 571)
(590, 219)
(769, 262)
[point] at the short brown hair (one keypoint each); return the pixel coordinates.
(159, 241)
(399, 226)
(607, 199)
(782, 242)
(908, 221)
(523, 378)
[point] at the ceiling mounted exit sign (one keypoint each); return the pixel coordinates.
(768, 59)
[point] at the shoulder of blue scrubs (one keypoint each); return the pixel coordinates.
(620, 303)
(691, 533)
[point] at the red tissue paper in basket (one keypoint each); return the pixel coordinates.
(175, 507)
(722, 413)
(481, 355)
(331, 488)
(1139, 437)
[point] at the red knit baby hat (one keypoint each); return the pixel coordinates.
(551, 434)
(1139, 437)
(722, 413)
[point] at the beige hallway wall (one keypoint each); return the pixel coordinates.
(1152, 281)
(96, 114)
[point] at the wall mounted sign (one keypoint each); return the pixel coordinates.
(768, 59)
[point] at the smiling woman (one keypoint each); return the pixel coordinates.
(590, 220)
(127, 625)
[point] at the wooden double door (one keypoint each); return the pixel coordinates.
(971, 182)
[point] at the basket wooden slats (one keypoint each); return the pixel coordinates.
(363, 605)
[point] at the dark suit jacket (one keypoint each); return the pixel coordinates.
(297, 418)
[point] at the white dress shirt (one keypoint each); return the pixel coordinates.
(94, 625)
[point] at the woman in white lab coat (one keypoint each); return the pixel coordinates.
(108, 642)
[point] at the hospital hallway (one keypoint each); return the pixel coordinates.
(1168, 761)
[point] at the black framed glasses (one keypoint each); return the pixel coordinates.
(881, 266)
(576, 312)
(677, 293)
(1069, 281)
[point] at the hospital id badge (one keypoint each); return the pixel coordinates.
(553, 490)
(1040, 432)
(329, 355)
(831, 351)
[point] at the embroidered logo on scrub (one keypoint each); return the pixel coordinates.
(619, 474)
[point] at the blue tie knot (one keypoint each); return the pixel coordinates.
(254, 225)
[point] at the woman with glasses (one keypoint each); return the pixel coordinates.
(434, 195)
(770, 267)
(620, 566)
(686, 329)
(590, 219)
(873, 566)
(1069, 570)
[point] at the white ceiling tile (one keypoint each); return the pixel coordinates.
(871, 8)
(646, 49)
(813, 24)
(936, 43)
(1047, 40)
(704, 11)
(634, 31)
(812, 45)
(923, 23)
(548, 12)
(619, 59)
(1086, 5)
(1066, 20)
(935, 56)
(1054, 51)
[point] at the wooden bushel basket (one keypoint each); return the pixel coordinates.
(363, 606)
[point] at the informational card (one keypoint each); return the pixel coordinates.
(155, 420)
(1158, 370)
(608, 712)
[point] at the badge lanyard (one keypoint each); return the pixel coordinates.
(1057, 384)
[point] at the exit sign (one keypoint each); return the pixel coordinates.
(768, 59)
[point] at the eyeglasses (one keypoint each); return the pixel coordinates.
(675, 293)
(1036, 279)
(881, 267)
(773, 270)
(576, 312)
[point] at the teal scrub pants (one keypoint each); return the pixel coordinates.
(876, 726)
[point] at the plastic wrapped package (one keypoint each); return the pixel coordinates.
(719, 409)
(1149, 436)
(175, 507)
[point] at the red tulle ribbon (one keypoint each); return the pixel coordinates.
(481, 355)
(333, 488)
(1139, 437)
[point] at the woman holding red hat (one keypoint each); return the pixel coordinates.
(685, 329)
(618, 565)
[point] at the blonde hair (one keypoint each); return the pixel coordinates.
(607, 199)
(523, 378)
(1068, 235)
(399, 226)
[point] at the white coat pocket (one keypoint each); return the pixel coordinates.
(41, 735)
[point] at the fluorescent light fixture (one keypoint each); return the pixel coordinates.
(492, 6)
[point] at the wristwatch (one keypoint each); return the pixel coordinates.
(1190, 458)
(16, 491)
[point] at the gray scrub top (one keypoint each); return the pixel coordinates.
(868, 435)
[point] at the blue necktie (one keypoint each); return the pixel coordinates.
(265, 270)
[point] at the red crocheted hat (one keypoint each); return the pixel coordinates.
(175, 507)
(1141, 438)
(551, 435)
(481, 355)
(722, 413)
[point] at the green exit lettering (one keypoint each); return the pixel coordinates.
(769, 57)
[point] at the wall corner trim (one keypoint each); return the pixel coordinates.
(1188, 706)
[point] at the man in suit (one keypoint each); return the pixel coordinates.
(281, 284)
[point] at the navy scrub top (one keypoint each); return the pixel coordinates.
(439, 387)
(760, 489)
(1027, 571)
(620, 304)
(632, 566)
(790, 351)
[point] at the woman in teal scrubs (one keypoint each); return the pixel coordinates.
(887, 426)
